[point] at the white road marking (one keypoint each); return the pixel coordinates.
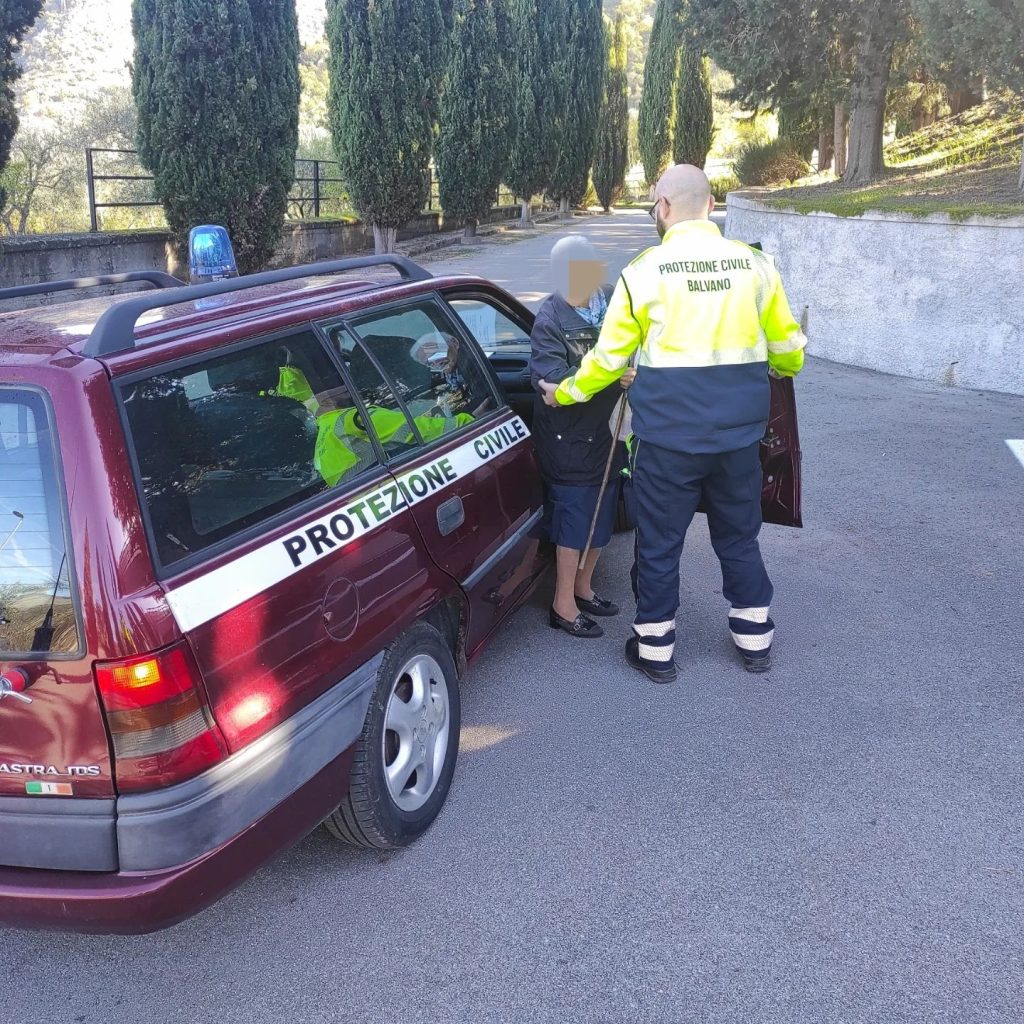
(1017, 447)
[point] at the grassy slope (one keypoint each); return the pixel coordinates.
(965, 166)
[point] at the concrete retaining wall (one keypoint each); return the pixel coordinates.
(929, 297)
(34, 258)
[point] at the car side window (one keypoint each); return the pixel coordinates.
(489, 325)
(410, 365)
(226, 443)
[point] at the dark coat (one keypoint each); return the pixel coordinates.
(573, 440)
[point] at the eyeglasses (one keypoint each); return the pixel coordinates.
(653, 211)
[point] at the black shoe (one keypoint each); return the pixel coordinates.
(581, 626)
(756, 663)
(652, 669)
(597, 606)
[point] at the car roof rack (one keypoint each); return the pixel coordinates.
(115, 329)
(156, 278)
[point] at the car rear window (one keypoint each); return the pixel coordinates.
(224, 444)
(37, 609)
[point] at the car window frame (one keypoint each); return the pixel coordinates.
(363, 480)
(507, 305)
(63, 501)
(349, 321)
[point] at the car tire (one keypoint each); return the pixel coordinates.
(405, 757)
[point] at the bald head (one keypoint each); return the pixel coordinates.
(686, 192)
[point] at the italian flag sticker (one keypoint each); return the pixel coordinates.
(48, 789)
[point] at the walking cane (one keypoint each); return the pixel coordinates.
(607, 472)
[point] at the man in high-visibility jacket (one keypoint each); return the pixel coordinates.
(343, 442)
(711, 320)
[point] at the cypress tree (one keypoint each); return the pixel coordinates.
(612, 157)
(657, 104)
(386, 67)
(277, 103)
(16, 18)
(216, 86)
(471, 146)
(695, 116)
(537, 87)
(583, 73)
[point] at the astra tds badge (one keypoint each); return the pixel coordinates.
(50, 771)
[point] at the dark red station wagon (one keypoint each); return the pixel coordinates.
(251, 533)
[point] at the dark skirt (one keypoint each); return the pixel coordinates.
(569, 509)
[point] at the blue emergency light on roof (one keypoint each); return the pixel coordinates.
(210, 256)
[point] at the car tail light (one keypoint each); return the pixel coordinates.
(161, 727)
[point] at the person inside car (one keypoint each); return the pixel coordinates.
(343, 443)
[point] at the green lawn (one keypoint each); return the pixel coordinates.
(964, 166)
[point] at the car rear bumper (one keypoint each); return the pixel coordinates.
(136, 902)
(181, 848)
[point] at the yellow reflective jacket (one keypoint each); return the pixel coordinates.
(709, 316)
(342, 443)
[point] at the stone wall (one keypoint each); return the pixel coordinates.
(930, 297)
(35, 258)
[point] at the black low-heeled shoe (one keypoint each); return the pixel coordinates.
(597, 606)
(581, 626)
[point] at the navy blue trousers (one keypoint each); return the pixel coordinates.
(668, 487)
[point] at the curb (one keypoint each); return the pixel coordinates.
(427, 244)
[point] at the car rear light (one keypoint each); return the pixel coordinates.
(161, 727)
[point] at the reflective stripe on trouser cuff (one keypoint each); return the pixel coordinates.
(651, 652)
(752, 629)
(753, 642)
(656, 640)
(643, 629)
(759, 615)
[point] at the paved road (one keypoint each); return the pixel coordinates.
(840, 842)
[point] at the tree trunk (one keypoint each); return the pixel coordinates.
(867, 109)
(826, 142)
(564, 212)
(384, 239)
(524, 218)
(469, 231)
(1020, 180)
(920, 118)
(969, 96)
(839, 138)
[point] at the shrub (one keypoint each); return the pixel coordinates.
(472, 144)
(216, 88)
(770, 163)
(386, 66)
(590, 197)
(723, 185)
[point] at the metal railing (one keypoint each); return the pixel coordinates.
(92, 178)
(317, 186)
(310, 201)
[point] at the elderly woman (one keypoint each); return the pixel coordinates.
(573, 441)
